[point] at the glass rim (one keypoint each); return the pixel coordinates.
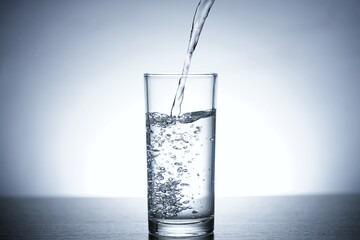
(180, 74)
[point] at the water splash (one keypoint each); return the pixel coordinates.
(201, 13)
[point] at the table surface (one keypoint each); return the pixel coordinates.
(285, 217)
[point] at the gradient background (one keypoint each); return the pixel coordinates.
(72, 103)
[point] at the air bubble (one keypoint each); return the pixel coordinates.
(186, 137)
(198, 129)
(184, 184)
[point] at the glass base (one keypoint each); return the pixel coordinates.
(181, 227)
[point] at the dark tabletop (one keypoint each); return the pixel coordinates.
(288, 217)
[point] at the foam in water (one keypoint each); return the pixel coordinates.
(201, 13)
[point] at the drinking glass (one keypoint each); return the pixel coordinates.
(180, 154)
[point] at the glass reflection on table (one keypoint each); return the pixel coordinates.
(209, 237)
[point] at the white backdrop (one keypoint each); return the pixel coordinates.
(72, 104)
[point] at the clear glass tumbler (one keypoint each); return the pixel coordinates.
(180, 155)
